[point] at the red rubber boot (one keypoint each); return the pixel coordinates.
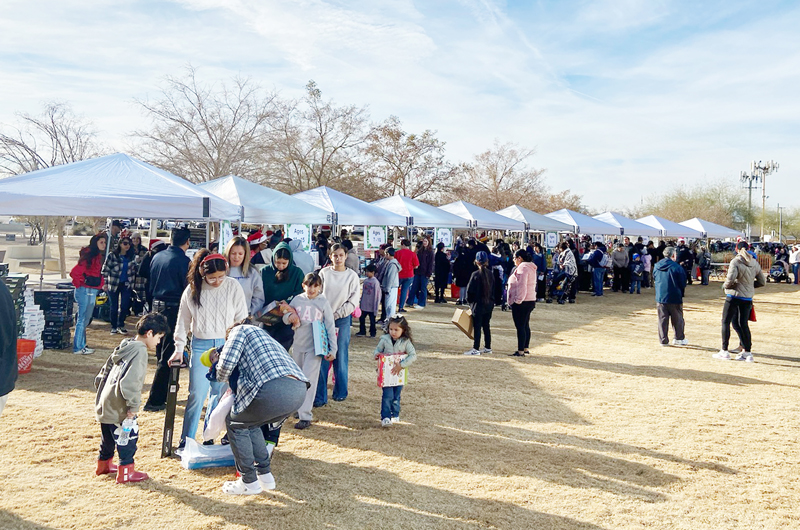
(104, 467)
(129, 474)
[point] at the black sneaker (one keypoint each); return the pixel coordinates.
(154, 408)
(208, 442)
(359, 334)
(302, 424)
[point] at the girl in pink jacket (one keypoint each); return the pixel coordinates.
(522, 298)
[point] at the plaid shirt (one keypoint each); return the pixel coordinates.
(259, 358)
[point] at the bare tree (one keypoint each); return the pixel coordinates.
(316, 143)
(202, 132)
(408, 164)
(55, 137)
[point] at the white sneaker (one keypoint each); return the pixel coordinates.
(395, 420)
(486, 350)
(745, 356)
(114, 331)
(473, 351)
(677, 342)
(267, 481)
(722, 355)
(386, 422)
(663, 344)
(417, 306)
(88, 350)
(84, 351)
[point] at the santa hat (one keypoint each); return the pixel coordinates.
(155, 242)
(256, 238)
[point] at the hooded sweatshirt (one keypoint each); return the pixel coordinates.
(287, 289)
(119, 383)
(744, 275)
(310, 310)
(391, 275)
(670, 282)
(301, 258)
(522, 283)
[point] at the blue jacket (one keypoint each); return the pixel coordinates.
(670, 281)
(541, 262)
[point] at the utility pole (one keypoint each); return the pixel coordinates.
(780, 223)
(758, 172)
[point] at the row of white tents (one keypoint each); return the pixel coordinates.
(121, 186)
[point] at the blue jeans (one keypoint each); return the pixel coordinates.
(390, 402)
(199, 388)
(120, 306)
(795, 270)
(339, 366)
(405, 285)
(86, 297)
(597, 280)
(419, 290)
(636, 285)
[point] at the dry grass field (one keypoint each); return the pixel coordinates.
(598, 428)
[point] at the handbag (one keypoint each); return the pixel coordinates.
(92, 281)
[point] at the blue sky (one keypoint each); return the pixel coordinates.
(621, 98)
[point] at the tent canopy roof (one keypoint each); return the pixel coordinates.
(534, 220)
(423, 214)
(115, 185)
(349, 210)
(710, 229)
(583, 224)
(483, 217)
(629, 226)
(669, 228)
(265, 205)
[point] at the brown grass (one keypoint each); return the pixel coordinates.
(599, 428)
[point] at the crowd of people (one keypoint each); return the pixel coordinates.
(252, 308)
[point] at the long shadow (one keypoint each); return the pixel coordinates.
(11, 521)
(317, 494)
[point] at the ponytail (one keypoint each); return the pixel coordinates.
(203, 263)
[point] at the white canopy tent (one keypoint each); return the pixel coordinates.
(349, 210)
(481, 217)
(710, 229)
(535, 221)
(110, 186)
(419, 213)
(583, 224)
(264, 205)
(669, 228)
(628, 226)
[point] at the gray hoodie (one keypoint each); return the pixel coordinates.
(744, 275)
(309, 310)
(301, 258)
(119, 383)
(391, 275)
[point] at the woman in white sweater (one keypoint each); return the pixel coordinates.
(341, 287)
(237, 252)
(211, 303)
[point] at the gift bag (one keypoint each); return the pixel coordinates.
(385, 375)
(216, 422)
(462, 318)
(752, 317)
(322, 345)
(196, 456)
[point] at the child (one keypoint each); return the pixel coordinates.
(391, 282)
(309, 307)
(637, 270)
(119, 394)
(370, 301)
(396, 342)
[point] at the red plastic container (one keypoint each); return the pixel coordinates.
(25, 349)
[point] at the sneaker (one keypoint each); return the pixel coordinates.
(486, 350)
(88, 350)
(417, 306)
(386, 422)
(359, 334)
(302, 424)
(267, 481)
(154, 408)
(722, 355)
(395, 420)
(745, 356)
(473, 351)
(663, 344)
(402, 311)
(114, 331)
(84, 351)
(122, 331)
(572, 301)
(682, 342)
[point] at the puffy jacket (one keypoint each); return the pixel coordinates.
(744, 275)
(83, 269)
(670, 282)
(522, 283)
(119, 383)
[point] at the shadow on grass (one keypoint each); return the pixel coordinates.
(11, 521)
(317, 494)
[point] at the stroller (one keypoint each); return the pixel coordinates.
(560, 286)
(779, 272)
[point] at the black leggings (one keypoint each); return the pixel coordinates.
(480, 323)
(521, 313)
(737, 312)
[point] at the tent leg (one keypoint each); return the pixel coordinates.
(208, 232)
(44, 252)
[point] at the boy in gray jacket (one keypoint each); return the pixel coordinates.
(390, 282)
(119, 395)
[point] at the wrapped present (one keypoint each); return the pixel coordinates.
(322, 344)
(385, 375)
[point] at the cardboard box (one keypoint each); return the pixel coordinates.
(385, 375)
(462, 318)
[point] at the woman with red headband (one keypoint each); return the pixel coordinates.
(211, 303)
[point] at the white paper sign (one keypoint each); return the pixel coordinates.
(645, 240)
(225, 234)
(443, 235)
(551, 239)
(375, 237)
(301, 233)
(598, 238)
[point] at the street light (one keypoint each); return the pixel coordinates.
(758, 172)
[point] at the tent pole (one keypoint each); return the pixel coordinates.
(44, 252)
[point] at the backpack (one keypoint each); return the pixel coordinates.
(605, 261)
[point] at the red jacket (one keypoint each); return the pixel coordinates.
(408, 260)
(82, 269)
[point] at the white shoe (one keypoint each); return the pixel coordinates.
(395, 420)
(745, 356)
(238, 487)
(267, 481)
(417, 306)
(663, 344)
(85, 351)
(386, 422)
(114, 331)
(486, 350)
(473, 351)
(677, 342)
(722, 355)
(88, 350)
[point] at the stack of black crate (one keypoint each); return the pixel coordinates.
(16, 284)
(59, 317)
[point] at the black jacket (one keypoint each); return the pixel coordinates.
(441, 268)
(476, 293)
(8, 341)
(168, 274)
